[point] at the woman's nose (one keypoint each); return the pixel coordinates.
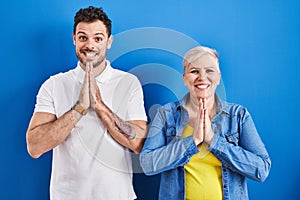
(201, 75)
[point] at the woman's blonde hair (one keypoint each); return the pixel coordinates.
(196, 52)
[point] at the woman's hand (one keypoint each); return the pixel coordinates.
(208, 132)
(199, 125)
(203, 130)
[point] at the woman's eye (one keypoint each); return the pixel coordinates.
(194, 71)
(209, 70)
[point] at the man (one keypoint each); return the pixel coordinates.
(91, 116)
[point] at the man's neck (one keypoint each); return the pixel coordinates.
(98, 69)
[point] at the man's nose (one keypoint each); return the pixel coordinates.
(89, 44)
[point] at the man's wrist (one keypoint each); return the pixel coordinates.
(77, 107)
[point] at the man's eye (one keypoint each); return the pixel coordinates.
(82, 38)
(98, 39)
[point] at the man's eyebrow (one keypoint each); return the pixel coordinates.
(80, 32)
(100, 34)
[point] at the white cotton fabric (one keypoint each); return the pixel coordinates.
(89, 164)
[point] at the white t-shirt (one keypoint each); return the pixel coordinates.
(89, 164)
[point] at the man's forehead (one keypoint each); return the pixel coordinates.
(84, 32)
(95, 28)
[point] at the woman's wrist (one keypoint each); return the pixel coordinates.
(197, 141)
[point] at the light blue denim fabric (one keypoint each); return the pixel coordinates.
(236, 144)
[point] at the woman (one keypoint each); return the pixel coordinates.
(204, 147)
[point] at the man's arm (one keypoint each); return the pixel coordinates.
(45, 131)
(130, 134)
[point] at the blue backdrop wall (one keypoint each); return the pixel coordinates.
(258, 42)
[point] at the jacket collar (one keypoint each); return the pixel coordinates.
(222, 106)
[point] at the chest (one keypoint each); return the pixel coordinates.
(230, 127)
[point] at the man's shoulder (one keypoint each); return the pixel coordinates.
(64, 74)
(125, 76)
(120, 72)
(60, 77)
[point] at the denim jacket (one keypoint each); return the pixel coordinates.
(236, 144)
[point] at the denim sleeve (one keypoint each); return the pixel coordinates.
(157, 155)
(248, 156)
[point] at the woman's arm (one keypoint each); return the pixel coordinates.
(248, 156)
(158, 156)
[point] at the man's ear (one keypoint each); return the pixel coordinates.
(74, 41)
(110, 41)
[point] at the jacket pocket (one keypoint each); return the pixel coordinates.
(170, 133)
(233, 138)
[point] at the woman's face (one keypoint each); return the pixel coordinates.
(202, 76)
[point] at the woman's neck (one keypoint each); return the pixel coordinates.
(194, 103)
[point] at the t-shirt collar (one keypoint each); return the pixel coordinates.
(80, 73)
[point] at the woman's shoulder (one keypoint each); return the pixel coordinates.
(233, 108)
(171, 106)
(232, 105)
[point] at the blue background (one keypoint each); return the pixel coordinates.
(258, 42)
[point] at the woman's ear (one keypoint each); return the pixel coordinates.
(219, 78)
(183, 77)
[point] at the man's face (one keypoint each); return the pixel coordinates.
(91, 42)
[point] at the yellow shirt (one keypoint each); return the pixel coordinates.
(203, 174)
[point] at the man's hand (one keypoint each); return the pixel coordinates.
(129, 134)
(84, 98)
(95, 95)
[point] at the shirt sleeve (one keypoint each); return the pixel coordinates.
(136, 109)
(44, 98)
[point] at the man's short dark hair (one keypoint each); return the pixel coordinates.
(92, 14)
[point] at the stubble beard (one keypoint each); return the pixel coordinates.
(95, 64)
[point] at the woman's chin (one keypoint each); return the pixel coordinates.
(203, 96)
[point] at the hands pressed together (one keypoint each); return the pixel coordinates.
(203, 130)
(90, 95)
